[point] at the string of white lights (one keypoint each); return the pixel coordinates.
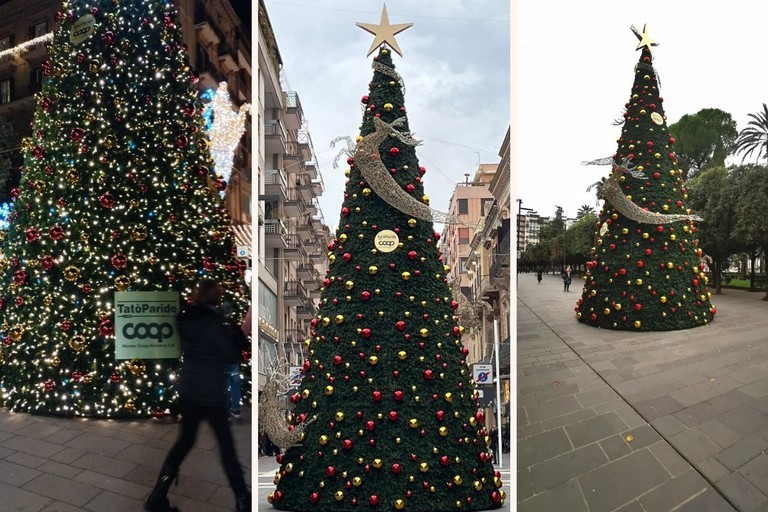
(16, 50)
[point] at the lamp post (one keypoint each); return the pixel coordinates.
(520, 209)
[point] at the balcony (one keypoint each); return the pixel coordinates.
(297, 152)
(307, 228)
(500, 266)
(294, 250)
(274, 137)
(227, 58)
(317, 188)
(275, 187)
(311, 171)
(293, 207)
(293, 111)
(206, 33)
(209, 76)
(306, 272)
(294, 294)
(9, 62)
(304, 187)
(306, 312)
(275, 234)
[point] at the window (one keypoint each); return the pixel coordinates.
(463, 206)
(35, 79)
(6, 90)
(38, 29)
(267, 304)
(463, 235)
(463, 265)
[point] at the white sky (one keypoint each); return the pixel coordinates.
(455, 68)
(575, 69)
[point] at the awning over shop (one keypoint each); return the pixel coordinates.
(242, 234)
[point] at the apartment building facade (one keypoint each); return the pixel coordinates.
(292, 234)
(489, 280)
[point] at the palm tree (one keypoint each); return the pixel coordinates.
(585, 210)
(755, 136)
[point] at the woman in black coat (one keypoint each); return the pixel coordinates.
(209, 342)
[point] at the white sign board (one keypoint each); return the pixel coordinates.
(145, 325)
(482, 374)
(294, 377)
(243, 251)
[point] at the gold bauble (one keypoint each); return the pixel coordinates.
(71, 273)
(443, 431)
(329, 390)
(77, 343)
(130, 405)
(399, 504)
(373, 269)
(72, 176)
(477, 485)
(424, 333)
(405, 275)
(374, 360)
(16, 333)
(56, 361)
(139, 233)
(339, 495)
(122, 283)
(88, 378)
(457, 480)
(402, 355)
(339, 319)
(413, 423)
(423, 467)
(357, 481)
(137, 366)
(377, 463)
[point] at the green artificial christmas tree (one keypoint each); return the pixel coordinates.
(116, 195)
(387, 407)
(645, 273)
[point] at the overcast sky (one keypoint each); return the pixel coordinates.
(575, 69)
(456, 69)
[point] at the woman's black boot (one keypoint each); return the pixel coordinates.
(243, 503)
(158, 498)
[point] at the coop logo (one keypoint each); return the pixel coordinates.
(158, 332)
(386, 241)
(82, 29)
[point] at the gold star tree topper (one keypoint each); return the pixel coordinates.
(384, 32)
(645, 39)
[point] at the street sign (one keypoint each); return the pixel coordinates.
(482, 374)
(243, 251)
(485, 395)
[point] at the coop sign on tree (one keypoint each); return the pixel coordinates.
(145, 325)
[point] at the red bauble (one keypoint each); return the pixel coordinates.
(347, 256)
(392, 415)
(49, 385)
(428, 374)
(314, 497)
(366, 333)
(32, 235)
(182, 141)
(109, 38)
(119, 261)
(638, 306)
(106, 328)
(114, 377)
(370, 426)
(107, 200)
(364, 99)
(440, 415)
(400, 325)
(337, 360)
(394, 151)
(347, 444)
(410, 188)
(330, 471)
(398, 395)
(345, 212)
(412, 255)
(366, 295)
(396, 468)
(376, 396)
(373, 500)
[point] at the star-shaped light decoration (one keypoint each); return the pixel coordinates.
(225, 132)
(645, 39)
(384, 32)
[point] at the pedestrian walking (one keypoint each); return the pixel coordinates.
(207, 346)
(567, 279)
(538, 276)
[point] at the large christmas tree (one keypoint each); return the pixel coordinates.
(645, 273)
(115, 195)
(396, 424)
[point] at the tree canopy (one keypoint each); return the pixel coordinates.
(704, 139)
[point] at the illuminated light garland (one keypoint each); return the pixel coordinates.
(16, 50)
(225, 130)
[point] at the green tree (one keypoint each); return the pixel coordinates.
(703, 139)
(581, 240)
(585, 210)
(754, 138)
(397, 425)
(645, 273)
(115, 197)
(713, 193)
(751, 204)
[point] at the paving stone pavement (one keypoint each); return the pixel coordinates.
(53, 464)
(640, 421)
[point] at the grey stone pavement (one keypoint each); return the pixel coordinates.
(52, 464)
(630, 422)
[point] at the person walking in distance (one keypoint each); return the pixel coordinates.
(208, 345)
(567, 279)
(538, 276)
